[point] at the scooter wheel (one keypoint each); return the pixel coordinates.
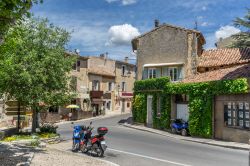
(184, 132)
(173, 130)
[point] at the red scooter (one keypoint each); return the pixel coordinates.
(96, 143)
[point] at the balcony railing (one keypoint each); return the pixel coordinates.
(96, 94)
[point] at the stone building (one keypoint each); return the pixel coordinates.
(102, 86)
(167, 50)
(125, 77)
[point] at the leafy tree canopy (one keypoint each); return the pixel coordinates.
(242, 39)
(33, 64)
(12, 10)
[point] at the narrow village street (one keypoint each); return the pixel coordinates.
(128, 147)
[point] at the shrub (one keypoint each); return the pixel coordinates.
(48, 128)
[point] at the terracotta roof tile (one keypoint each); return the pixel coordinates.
(224, 57)
(240, 71)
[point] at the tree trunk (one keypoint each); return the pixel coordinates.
(34, 120)
(18, 117)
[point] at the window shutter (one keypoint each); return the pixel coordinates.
(180, 73)
(145, 74)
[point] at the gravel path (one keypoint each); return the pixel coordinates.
(60, 155)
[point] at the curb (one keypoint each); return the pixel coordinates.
(28, 163)
(81, 155)
(184, 139)
(92, 118)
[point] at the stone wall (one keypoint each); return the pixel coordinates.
(221, 131)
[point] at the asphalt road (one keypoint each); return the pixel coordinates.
(130, 147)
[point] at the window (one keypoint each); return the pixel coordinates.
(181, 98)
(151, 73)
(123, 70)
(78, 63)
(73, 83)
(110, 86)
(123, 86)
(108, 105)
(53, 109)
(236, 114)
(96, 85)
(128, 104)
(173, 73)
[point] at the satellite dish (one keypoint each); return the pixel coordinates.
(77, 51)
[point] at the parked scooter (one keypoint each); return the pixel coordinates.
(179, 126)
(96, 143)
(78, 136)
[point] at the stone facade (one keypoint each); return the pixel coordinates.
(125, 78)
(221, 129)
(171, 46)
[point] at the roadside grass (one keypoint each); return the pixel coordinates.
(36, 136)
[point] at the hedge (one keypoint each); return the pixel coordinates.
(200, 101)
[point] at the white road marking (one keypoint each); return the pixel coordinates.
(148, 157)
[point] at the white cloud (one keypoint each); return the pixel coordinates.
(204, 8)
(110, 1)
(124, 2)
(204, 24)
(122, 34)
(128, 2)
(226, 31)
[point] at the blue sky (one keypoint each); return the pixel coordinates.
(100, 26)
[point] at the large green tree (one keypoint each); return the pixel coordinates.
(242, 39)
(33, 65)
(13, 10)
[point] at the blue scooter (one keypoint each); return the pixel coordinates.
(78, 136)
(179, 126)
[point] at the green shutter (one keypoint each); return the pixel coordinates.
(145, 74)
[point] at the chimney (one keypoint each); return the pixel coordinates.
(126, 59)
(102, 56)
(157, 23)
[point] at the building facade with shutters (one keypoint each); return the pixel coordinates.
(167, 50)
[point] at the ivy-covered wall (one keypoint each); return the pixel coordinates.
(200, 101)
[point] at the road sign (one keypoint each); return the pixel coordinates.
(11, 108)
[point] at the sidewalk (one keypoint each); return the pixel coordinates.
(109, 115)
(13, 154)
(233, 145)
(60, 154)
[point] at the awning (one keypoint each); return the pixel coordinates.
(163, 64)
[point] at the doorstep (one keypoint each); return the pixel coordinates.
(233, 145)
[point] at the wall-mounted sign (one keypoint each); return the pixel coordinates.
(241, 105)
(247, 115)
(246, 105)
(241, 114)
(247, 124)
(241, 123)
